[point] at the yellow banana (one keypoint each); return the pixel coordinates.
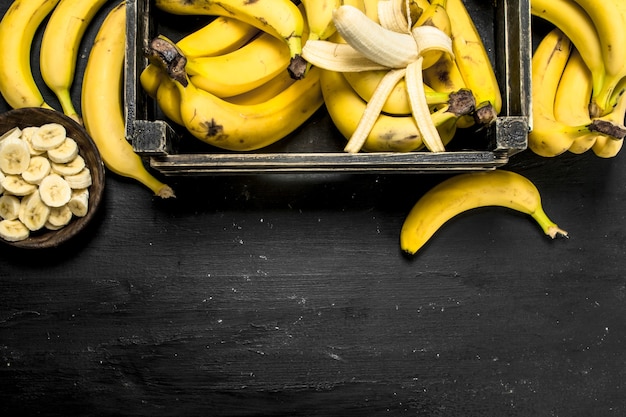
(608, 146)
(550, 137)
(59, 47)
(238, 127)
(609, 18)
(161, 88)
(345, 107)
(102, 107)
(571, 102)
(576, 24)
(464, 192)
(370, 8)
(435, 15)
(399, 15)
(280, 18)
(472, 59)
(242, 70)
(319, 15)
(17, 30)
(264, 92)
(220, 36)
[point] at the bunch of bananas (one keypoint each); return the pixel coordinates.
(579, 77)
(239, 83)
(101, 105)
(400, 75)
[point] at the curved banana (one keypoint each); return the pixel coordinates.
(161, 88)
(238, 127)
(472, 59)
(17, 30)
(59, 47)
(102, 108)
(435, 15)
(609, 145)
(571, 102)
(264, 92)
(345, 107)
(609, 18)
(226, 35)
(280, 18)
(464, 192)
(580, 29)
(242, 70)
(365, 83)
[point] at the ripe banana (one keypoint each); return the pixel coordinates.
(399, 15)
(242, 70)
(464, 192)
(319, 15)
(280, 18)
(345, 107)
(226, 34)
(264, 92)
(59, 47)
(576, 24)
(237, 127)
(162, 89)
(435, 15)
(17, 30)
(571, 103)
(608, 146)
(103, 114)
(472, 60)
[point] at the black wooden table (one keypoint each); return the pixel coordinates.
(288, 295)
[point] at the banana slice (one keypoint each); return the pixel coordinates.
(65, 152)
(27, 136)
(14, 155)
(33, 212)
(59, 216)
(70, 168)
(37, 170)
(54, 191)
(16, 185)
(79, 203)
(13, 230)
(9, 207)
(80, 180)
(48, 136)
(15, 132)
(2, 176)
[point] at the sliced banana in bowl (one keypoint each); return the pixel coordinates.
(51, 178)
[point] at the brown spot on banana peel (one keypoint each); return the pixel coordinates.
(165, 53)
(485, 114)
(462, 102)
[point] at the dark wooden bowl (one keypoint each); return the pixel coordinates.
(87, 148)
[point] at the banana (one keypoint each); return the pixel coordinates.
(33, 212)
(79, 202)
(576, 24)
(54, 190)
(58, 217)
(80, 180)
(17, 30)
(69, 168)
(251, 66)
(548, 136)
(14, 156)
(435, 15)
(38, 168)
(101, 103)
(65, 152)
(280, 18)
(13, 230)
(48, 136)
(9, 207)
(15, 184)
(319, 15)
(571, 102)
(609, 18)
(464, 192)
(237, 127)
(59, 47)
(264, 92)
(608, 146)
(473, 61)
(26, 136)
(220, 36)
(399, 15)
(345, 107)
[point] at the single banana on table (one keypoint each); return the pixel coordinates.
(280, 18)
(102, 103)
(231, 126)
(17, 30)
(464, 192)
(226, 35)
(59, 47)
